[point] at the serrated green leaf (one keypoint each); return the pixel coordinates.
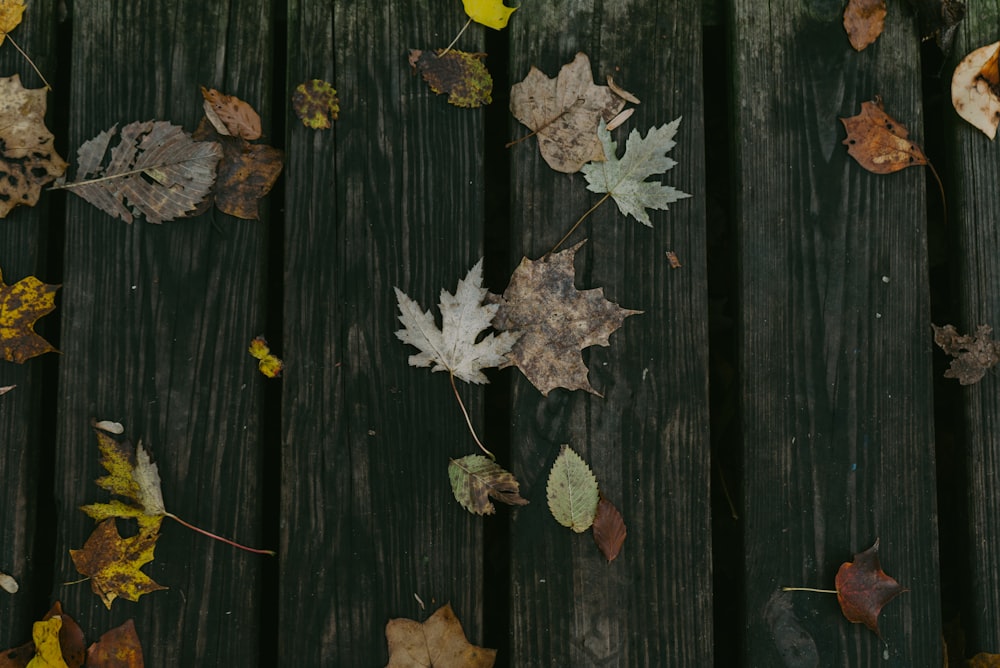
(475, 478)
(572, 491)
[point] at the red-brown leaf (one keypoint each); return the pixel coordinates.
(609, 529)
(863, 588)
(863, 21)
(118, 648)
(879, 142)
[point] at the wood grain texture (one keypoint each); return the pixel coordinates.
(974, 171)
(23, 238)
(392, 196)
(156, 320)
(834, 343)
(647, 439)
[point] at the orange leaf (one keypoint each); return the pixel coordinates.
(863, 21)
(863, 588)
(609, 529)
(21, 305)
(879, 142)
(118, 648)
(230, 115)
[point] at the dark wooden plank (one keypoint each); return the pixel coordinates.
(647, 439)
(975, 168)
(835, 354)
(156, 320)
(23, 237)
(392, 196)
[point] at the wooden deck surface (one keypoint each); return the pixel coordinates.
(786, 367)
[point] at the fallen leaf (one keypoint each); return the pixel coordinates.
(230, 116)
(17, 657)
(130, 475)
(7, 388)
(556, 321)
(8, 583)
(863, 588)
(112, 563)
(939, 19)
(621, 92)
(624, 179)
(460, 74)
(475, 478)
(28, 159)
(674, 261)
(48, 653)
(315, 103)
(609, 529)
(21, 305)
(71, 643)
(456, 346)
(269, 365)
(439, 642)
(983, 660)
(11, 12)
(490, 13)
(974, 354)
(564, 113)
(572, 491)
(117, 648)
(879, 142)
(110, 427)
(155, 169)
(863, 21)
(975, 89)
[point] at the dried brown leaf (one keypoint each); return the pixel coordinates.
(246, 173)
(117, 648)
(864, 21)
(879, 142)
(974, 354)
(439, 642)
(863, 588)
(975, 89)
(230, 115)
(609, 529)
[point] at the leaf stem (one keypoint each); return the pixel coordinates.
(818, 591)
(219, 538)
(944, 202)
(448, 48)
(468, 421)
(30, 62)
(577, 223)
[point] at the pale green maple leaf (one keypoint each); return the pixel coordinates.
(624, 179)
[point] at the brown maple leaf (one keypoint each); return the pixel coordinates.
(974, 354)
(864, 21)
(609, 529)
(879, 142)
(21, 304)
(439, 642)
(863, 588)
(112, 563)
(28, 159)
(556, 321)
(117, 648)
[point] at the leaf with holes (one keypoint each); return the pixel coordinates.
(879, 142)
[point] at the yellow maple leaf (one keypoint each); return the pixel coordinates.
(48, 651)
(112, 563)
(21, 304)
(491, 13)
(10, 16)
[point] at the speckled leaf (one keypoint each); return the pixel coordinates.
(879, 142)
(475, 478)
(462, 75)
(315, 103)
(48, 653)
(973, 354)
(112, 563)
(975, 89)
(11, 12)
(572, 491)
(21, 304)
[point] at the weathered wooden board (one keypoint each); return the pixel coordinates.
(392, 196)
(834, 344)
(156, 321)
(647, 438)
(23, 239)
(974, 210)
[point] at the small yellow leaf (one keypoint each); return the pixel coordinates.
(48, 653)
(112, 563)
(269, 365)
(10, 16)
(21, 304)
(491, 13)
(315, 102)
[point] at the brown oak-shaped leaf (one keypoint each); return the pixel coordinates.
(112, 563)
(974, 354)
(21, 304)
(609, 529)
(863, 21)
(230, 115)
(564, 113)
(863, 588)
(879, 142)
(439, 642)
(117, 648)
(28, 159)
(460, 74)
(556, 321)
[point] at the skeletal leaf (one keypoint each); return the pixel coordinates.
(572, 491)
(975, 89)
(439, 642)
(460, 74)
(112, 563)
(863, 588)
(21, 305)
(475, 478)
(315, 103)
(230, 115)
(155, 169)
(490, 13)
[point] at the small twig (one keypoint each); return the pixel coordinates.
(448, 48)
(818, 591)
(725, 490)
(577, 223)
(944, 202)
(219, 538)
(75, 582)
(30, 62)
(461, 405)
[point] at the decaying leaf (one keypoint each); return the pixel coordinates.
(564, 113)
(490, 13)
(609, 529)
(475, 478)
(879, 142)
(230, 116)
(863, 588)
(8, 583)
(48, 653)
(939, 19)
(975, 89)
(439, 642)
(572, 491)
(983, 660)
(109, 426)
(460, 74)
(864, 21)
(71, 642)
(64, 648)
(117, 648)
(156, 170)
(556, 321)
(315, 103)
(974, 355)
(28, 159)
(624, 179)
(455, 347)
(112, 563)
(11, 12)
(21, 304)
(269, 365)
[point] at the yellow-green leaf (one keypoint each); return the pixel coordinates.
(491, 13)
(572, 491)
(112, 563)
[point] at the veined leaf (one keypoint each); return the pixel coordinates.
(572, 491)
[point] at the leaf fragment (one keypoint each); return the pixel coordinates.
(269, 365)
(975, 89)
(864, 21)
(973, 354)
(863, 588)
(609, 529)
(439, 642)
(316, 103)
(878, 142)
(490, 13)
(475, 478)
(21, 305)
(572, 491)
(117, 648)
(8, 583)
(48, 653)
(461, 74)
(112, 563)
(230, 115)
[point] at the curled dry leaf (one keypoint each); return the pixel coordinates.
(21, 305)
(572, 491)
(863, 588)
(8, 583)
(975, 89)
(460, 74)
(475, 478)
(439, 642)
(879, 142)
(28, 159)
(974, 354)
(864, 21)
(110, 426)
(315, 103)
(230, 115)
(621, 92)
(609, 529)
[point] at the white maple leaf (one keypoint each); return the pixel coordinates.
(454, 347)
(625, 178)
